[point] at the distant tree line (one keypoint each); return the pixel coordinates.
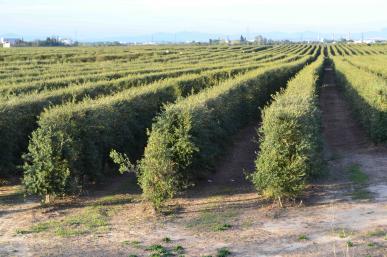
(48, 42)
(258, 40)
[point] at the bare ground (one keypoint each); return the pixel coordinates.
(339, 217)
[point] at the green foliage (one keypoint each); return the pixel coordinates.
(379, 232)
(223, 227)
(93, 127)
(45, 172)
(367, 94)
(361, 194)
(166, 240)
(357, 175)
(178, 249)
(371, 244)
(35, 79)
(189, 136)
(223, 252)
(213, 220)
(18, 115)
(91, 220)
(26, 100)
(159, 251)
(38, 228)
(290, 150)
(122, 160)
(343, 233)
(303, 237)
(170, 161)
(135, 244)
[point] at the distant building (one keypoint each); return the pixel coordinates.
(218, 41)
(66, 41)
(260, 40)
(6, 45)
(8, 42)
(367, 41)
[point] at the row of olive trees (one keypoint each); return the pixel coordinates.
(367, 94)
(189, 136)
(73, 141)
(290, 139)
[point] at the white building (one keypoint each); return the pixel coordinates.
(366, 41)
(66, 41)
(6, 45)
(8, 42)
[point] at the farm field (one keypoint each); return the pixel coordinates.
(194, 150)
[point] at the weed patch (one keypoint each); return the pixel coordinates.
(223, 252)
(344, 233)
(213, 221)
(377, 233)
(361, 194)
(303, 237)
(357, 175)
(91, 220)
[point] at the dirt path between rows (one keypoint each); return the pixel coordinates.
(339, 217)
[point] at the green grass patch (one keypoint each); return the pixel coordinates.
(213, 220)
(357, 175)
(38, 228)
(222, 227)
(303, 237)
(377, 233)
(166, 240)
(179, 249)
(91, 220)
(223, 252)
(114, 200)
(350, 243)
(361, 194)
(159, 251)
(134, 244)
(344, 233)
(371, 244)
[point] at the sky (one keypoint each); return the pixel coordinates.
(99, 19)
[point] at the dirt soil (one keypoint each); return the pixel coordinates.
(342, 214)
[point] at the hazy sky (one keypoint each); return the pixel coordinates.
(91, 19)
